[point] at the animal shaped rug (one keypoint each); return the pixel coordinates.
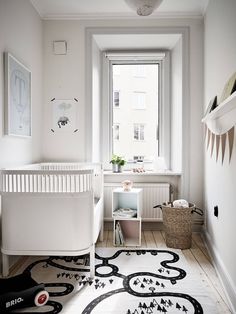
(139, 281)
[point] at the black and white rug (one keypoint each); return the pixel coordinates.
(127, 282)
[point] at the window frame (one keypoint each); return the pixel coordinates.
(164, 117)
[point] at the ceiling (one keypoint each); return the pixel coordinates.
(88, 9)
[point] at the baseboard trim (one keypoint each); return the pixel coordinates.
(155, 225)
(226, 281)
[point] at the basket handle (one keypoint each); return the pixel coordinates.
(158, 206)
(198, 211)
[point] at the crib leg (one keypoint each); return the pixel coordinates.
(92, 261)
(5, 265)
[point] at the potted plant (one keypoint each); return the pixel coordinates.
(117, 163)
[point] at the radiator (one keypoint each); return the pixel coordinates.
(153, 194)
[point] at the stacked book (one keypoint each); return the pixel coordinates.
(119, 238)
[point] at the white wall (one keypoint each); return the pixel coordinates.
(21, 35)
(96, 103)
(65, 77)
(176, 107)
(220, 180)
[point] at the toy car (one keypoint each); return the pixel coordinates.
(21, 291)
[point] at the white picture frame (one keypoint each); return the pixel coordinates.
(18, 112)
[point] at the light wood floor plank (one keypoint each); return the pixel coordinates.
(198, 241)
(160, 242)
(110, 239)
(104, 242)
(150, 241)
(143, 241)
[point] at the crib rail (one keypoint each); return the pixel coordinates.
(49, 181)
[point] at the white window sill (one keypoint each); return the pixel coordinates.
(146, 173)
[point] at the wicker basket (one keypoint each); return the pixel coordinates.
(178, 226)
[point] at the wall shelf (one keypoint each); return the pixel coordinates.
(223, 117)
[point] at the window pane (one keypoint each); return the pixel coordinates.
(138, 136)
(139, 70)
(139, 132)
(141, 137)
(116, 98)
(136, 132)
(116, 132)
(139, 100)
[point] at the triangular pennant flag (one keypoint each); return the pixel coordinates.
(212, 142)
(208, 137)
(223, 142)
(231, 141)
(217, 145)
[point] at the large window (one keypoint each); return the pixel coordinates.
(141, 126)
(138, 110)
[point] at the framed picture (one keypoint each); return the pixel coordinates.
(17, 98)
(64, 114)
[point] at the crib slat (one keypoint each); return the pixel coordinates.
(8, 183)
(75, 183)
(16, 187)
(18, 183)
(32, 183)
(3, 183)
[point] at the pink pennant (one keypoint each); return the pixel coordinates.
(212, 142)
(231, 141)
(223, 144)
(217, 146)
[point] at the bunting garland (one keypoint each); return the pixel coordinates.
(218, 140)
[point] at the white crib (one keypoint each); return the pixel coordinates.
(51, 209)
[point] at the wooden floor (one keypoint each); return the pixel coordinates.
(197, 257)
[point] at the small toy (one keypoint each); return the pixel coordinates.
(180, 203)
(21, 291)
(127, 185)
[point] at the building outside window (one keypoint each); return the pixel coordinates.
(139, 132)
(139, 100)
(116, 98)
(139, 71)
(138, 158)
(138, 111)
(116, 131)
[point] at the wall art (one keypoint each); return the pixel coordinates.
(17, 97)
(64, 115)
